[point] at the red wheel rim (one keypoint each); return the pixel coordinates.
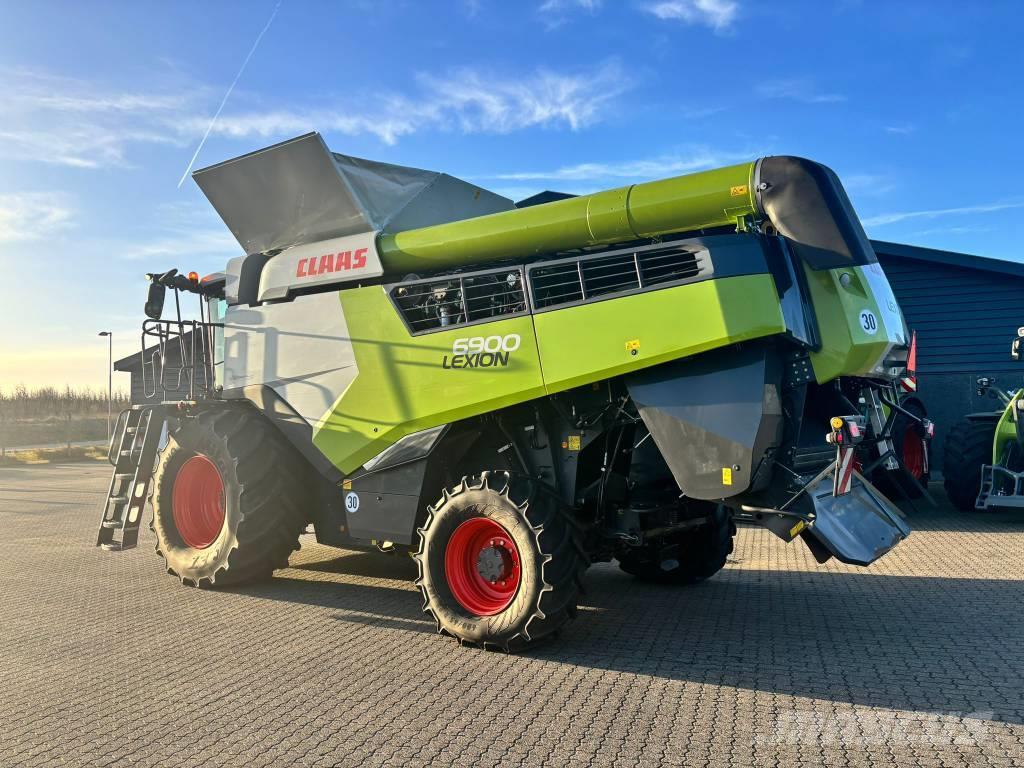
(913, 452)
(481, 563)
(198, 502)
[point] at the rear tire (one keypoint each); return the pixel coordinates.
(530, 547)
(699, 555)
(910, 445)
(968, 447)
(229, 499)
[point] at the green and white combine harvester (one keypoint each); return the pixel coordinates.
(409, 362)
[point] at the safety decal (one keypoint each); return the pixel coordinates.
(868, 322)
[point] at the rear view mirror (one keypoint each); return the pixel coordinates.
(155, 301)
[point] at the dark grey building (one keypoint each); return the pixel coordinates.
(966, 311)
(154, 379)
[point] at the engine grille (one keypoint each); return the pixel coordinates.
(429, 305)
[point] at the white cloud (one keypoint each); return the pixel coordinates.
(79, 124)
(64, 121)
(717, 14)
(892, 218)
(482, 102)
(555, 13)
(181, 233)
(867, 183)
(467, 100)
(554, 6)
(33, 215)
(656, 167)
(949, 231)
(797, 89)
(903, 129)
(189, 245)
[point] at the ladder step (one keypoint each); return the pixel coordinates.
(139, 441)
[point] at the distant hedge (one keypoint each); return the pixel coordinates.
(51, 415)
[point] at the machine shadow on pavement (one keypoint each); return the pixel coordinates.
(900, 642)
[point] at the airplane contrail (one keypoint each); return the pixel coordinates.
(231, 87)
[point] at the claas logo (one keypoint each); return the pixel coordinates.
(331, 262)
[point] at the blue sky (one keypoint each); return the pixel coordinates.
(917, 106)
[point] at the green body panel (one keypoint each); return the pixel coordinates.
(596, 341)
(846, 348)
(402, 387)
(1006, 429)
(685, 203)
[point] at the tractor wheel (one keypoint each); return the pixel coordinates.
(229, 499)
(500, 564)
(912, 448)
(699, 555)
(968, 446)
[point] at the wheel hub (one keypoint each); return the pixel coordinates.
(482, 566)
(198, 502)
(495, 562)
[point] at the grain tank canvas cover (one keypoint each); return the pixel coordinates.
(298, 192)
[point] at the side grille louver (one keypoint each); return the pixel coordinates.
(435, 304)
(593, 277)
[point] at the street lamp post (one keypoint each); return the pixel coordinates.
(110, 377)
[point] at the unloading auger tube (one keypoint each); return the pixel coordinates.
(803, 200)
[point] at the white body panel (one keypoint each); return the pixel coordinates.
(893, 325)
(301, 349)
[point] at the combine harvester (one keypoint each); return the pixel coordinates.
(408, 362)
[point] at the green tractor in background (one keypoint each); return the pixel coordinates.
(984, 455)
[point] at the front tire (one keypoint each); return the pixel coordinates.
(968, 447)
(699, 553)
(229, 498)
(500, 565)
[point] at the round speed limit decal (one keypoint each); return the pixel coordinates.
(868, 322)
(352, 502)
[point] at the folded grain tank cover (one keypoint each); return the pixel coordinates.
(298, 192)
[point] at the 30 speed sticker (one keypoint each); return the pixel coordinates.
(868, 322)
(352, 502)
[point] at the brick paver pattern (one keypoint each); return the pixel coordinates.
(105, 660)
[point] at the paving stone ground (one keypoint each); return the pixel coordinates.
(106, 661)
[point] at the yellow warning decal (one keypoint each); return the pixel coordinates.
(633, 346)
(573, 443)
(800, 525)
(346, 485)
(726, 476)
(738, 191)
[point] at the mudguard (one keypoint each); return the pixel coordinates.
(713, 416)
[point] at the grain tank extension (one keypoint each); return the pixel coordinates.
(411, 363)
